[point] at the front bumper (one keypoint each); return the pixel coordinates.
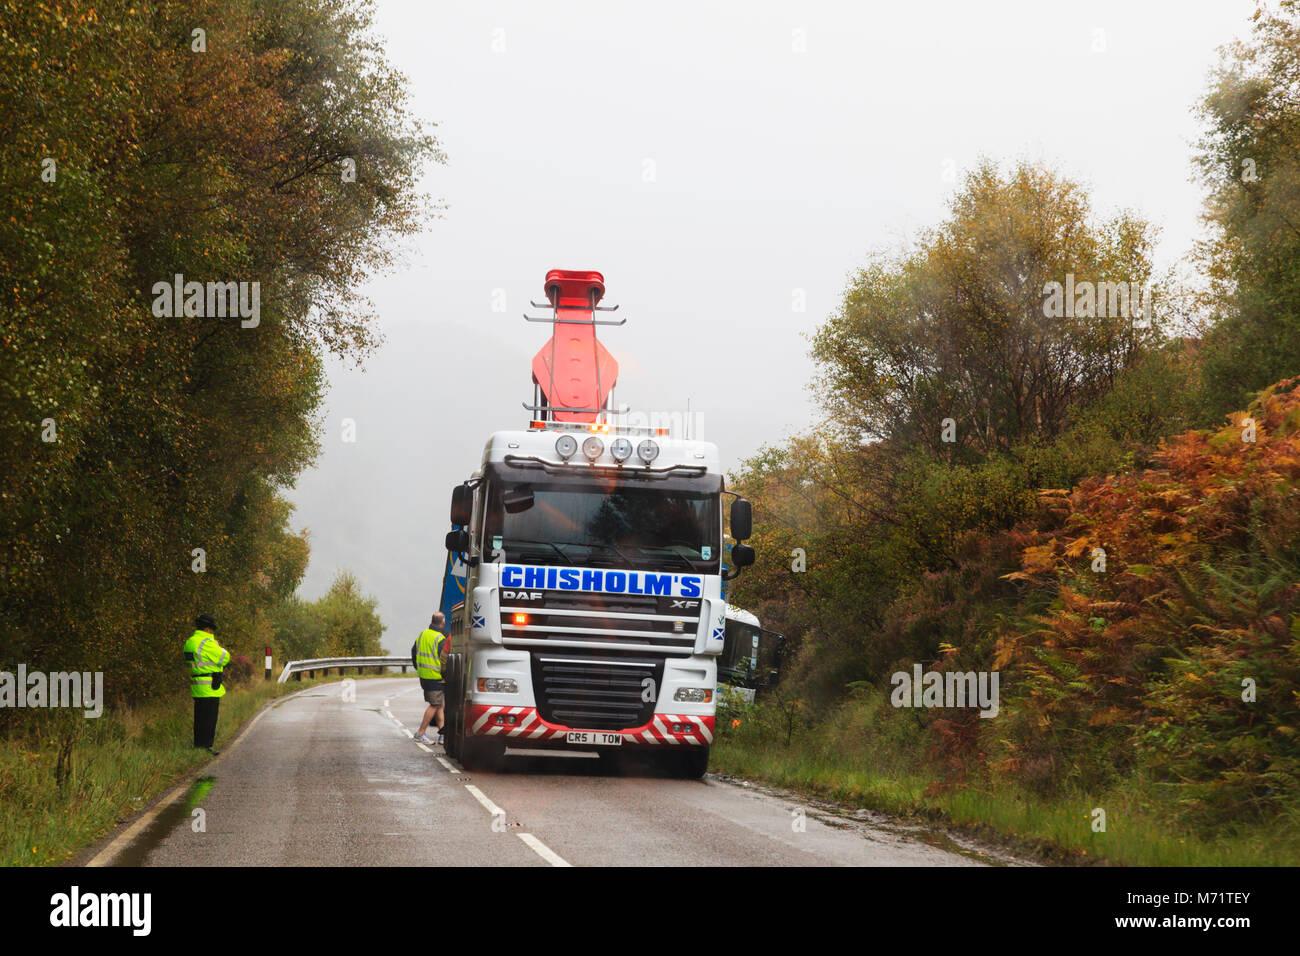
(522, 726)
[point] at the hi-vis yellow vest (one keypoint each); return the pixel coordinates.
(205, 657)
(428, 654)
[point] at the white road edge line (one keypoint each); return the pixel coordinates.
(536, 845)
(542, 850)
(110, 852)
(445, 763)
(106, 856)
(482, 798)
(423, 747)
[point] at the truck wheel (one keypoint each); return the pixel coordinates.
(692, 764)
(454, 731)
(481, 753)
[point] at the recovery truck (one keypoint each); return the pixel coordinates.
(592, 552)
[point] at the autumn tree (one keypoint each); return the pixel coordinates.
(1250, 160)
(965, 326)
(143, 449)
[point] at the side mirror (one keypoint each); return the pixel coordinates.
(742, 555)
(458, 541)
(742, 520)
(517, 500)
(462, 504)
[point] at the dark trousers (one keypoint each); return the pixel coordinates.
(205, 720)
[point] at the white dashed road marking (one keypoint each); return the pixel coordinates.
(542, 850)
(481, 797)
(534, 844)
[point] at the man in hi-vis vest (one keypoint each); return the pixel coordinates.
(207, 661)
(428, 664)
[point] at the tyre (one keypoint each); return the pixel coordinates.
(454, 729)
(481, 753)
(691, 764)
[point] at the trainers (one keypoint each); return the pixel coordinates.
(421, 739)
(442, 740)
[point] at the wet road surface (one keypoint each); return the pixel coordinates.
(323, 780)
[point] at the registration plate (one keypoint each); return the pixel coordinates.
(593, 738)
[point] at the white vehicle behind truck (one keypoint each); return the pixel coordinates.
(593, 613)
(751, 657)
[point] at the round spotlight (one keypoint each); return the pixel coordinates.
(621, 449)
(566, 446)
(647, 451)
(592, 448)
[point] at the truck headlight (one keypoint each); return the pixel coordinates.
(497, 685)
(593, 447)
(647, 451)
(566, 446)
(694, 695)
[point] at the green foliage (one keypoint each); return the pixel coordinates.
(349, 622)
(1250, 160)
(959, 329)
(342, 623)
(978, 554)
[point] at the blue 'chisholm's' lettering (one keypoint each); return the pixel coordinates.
(591, 579)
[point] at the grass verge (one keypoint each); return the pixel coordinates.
(65, 781)
(860, 758)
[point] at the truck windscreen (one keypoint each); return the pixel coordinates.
(652, 529)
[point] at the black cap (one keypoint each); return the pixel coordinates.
(205, 622)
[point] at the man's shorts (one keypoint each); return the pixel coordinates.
(434, 692)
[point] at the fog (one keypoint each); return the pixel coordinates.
(726, 166)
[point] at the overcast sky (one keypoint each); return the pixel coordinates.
(726, 166)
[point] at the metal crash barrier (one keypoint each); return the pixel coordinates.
(326, 664)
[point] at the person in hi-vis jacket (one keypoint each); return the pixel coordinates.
(207, 661)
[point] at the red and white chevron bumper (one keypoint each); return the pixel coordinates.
(524, 724)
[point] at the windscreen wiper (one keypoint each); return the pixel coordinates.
(612, 547)
(689, 563)
(550, 544)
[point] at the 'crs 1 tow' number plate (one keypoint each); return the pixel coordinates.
(593, 738)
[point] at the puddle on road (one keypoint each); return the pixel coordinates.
(138, 852)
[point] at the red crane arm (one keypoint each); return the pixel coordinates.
(573, 369)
